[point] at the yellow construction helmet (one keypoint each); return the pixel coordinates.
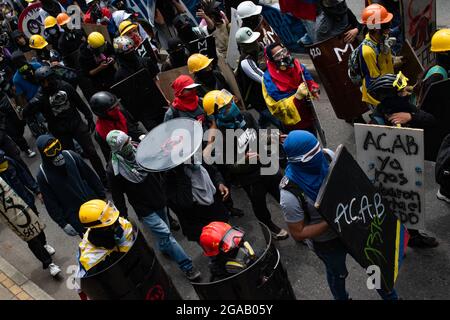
(197, 62)
(441, 41)
(126, 26)
(98, 214)
(209, 101)
(37, 41)
(50, 22)
(96, 40)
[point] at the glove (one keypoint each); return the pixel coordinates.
(70, 231)
(302, 92)
(91, 125)
(398, 61)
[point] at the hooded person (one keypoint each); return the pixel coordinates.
(66, 182)
(284, 90)
(126, 177)
(305, 173)
(178, 55)
(20, 41)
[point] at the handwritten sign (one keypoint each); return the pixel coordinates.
(360, 216)
(330, 58)
(17, 214)
(393, 159)
(30, 21)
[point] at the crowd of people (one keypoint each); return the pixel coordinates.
(67, 86)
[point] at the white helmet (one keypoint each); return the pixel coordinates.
(246, 35)
(247, 9)
(89, 1)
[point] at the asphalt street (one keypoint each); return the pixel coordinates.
(425, 273)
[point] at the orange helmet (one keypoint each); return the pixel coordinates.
(376, 14)
(62, 18)
(219, 237)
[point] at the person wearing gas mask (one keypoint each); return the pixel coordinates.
(20, 41)
(10, 123)
(112, 116)
(26, 86)
(285, 91)
(375, 52)
(52, 32)
(250, 72)
(97, 62)
(69, 41)
(243, 173)
(107, 238)
(336, 18)
(66, 182)
(227, 249)
(204, 73)
(126, 177)
(60, 104)
(178, 55)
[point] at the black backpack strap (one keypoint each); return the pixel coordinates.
(293, 188)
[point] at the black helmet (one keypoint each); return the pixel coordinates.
(101, 102)
(43, 72)
(383, 87)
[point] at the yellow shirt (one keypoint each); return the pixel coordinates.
(374, 66)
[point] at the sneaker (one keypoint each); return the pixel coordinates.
(30, 153)
(50, 249)
(442, 197)
(235, 212)
(192, 274)
(422, 240)
(54, 269)
(283, 234)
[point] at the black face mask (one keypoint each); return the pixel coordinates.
(252, 22)
(178, 58)
(285, 63)
(206, 77)
(443, 59)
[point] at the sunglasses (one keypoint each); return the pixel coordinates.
(53, 149)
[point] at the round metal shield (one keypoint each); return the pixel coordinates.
(170, 144)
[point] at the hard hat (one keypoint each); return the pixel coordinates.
(49, 22)
(247, 9)
(96, 40)
(43, 72)
(98, 214)
(123, 44)
(376, 14)
(126, 26)
(101, 102)
(209, 101)
(246, 35)
(441, 41)
(197, 62)
(62, 18)
(37, 41)
(224, 98)
(219, 237)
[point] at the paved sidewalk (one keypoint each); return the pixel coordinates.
(15, 286)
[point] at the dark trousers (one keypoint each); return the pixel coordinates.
(36, 246)
(16, 132)
(11, 150)
(82, 135)
(257, 192)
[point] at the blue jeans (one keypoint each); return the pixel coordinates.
(334, 261)
(158, 223)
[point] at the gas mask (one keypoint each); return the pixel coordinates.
(52, 31)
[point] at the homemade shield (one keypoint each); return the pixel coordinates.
(170, 144)
(330, 58)
(138, 275)
(30, 21)
(265, 279)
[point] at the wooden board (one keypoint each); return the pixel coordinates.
(167, 77)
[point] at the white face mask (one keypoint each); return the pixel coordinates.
(59, 160)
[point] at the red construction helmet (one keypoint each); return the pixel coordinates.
(219, 236)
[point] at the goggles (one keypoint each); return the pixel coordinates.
(109, 215)
(306, 157)
(280, 54)
(231, 239)
(400, 82)
(53, 149)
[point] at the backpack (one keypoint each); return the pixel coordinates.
(354, 62)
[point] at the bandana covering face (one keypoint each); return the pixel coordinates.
(123, 157)
(184, 101)
(115, 120)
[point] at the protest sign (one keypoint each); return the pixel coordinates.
(145, 50)
(205, 46)
(393, 159)
(330, 58)
(30, 21)
(356, 211)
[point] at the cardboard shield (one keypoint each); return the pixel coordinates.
(419, 21)
(355, 210)
(330, 58)
(30, 21)
(90, 27)
(170, 144)
(412, 68)
(137, 275)
(15, 213)
(437, 103)
(393, 159)
(265, 279)
(145, 50)
(167, 77)
(268, 34)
